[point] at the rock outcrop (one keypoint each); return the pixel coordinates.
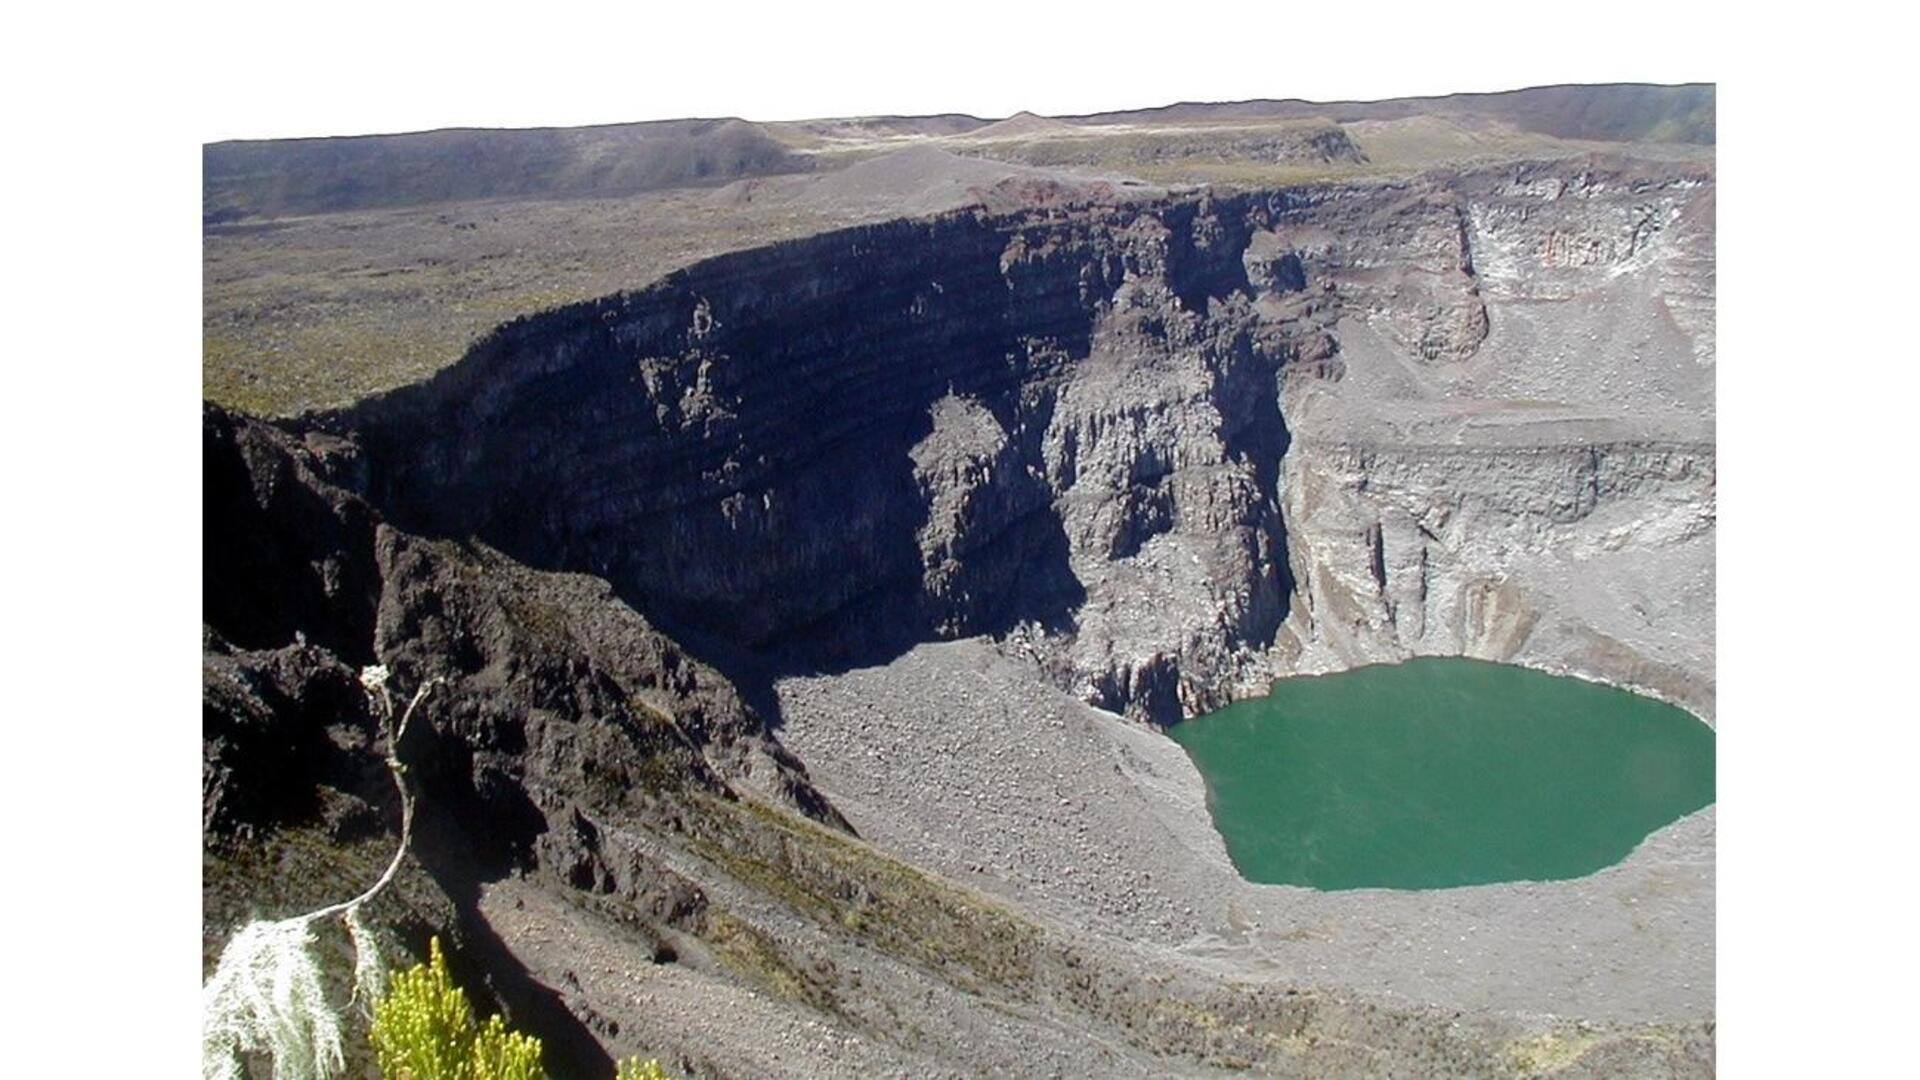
(846, 444)
(546, 676)
(1517, 554)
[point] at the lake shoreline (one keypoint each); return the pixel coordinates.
(1444, 771)
(959, 758)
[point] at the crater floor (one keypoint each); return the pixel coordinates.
(955, 757)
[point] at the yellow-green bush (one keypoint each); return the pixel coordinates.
(423, 1029)
(635, 1069)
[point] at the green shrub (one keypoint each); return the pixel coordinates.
(265, 997)
(424, 1030)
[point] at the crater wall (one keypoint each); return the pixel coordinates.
(1166, 449)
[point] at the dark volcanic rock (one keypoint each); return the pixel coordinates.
(545, 675)
(865, 439)
(559, 707)
(288, 553)
(277, 723)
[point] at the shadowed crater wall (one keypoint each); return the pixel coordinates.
(847, 444)
(1062, 426)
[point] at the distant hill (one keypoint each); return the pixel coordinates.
(283, 177)
(1022, 125)
(1611, 112)
(296, 176)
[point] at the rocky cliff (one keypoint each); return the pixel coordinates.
(1128, 439)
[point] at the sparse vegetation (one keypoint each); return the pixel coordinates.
(318, 312)
(841, 880)
(424, 1029)
(636, 1069)
(267, 997)
(622, 827)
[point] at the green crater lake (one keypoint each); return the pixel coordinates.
(1439, 772)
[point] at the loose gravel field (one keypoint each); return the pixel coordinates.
(963, 760)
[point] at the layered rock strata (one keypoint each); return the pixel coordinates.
(1127, 439)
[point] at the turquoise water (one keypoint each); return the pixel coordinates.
(1440, 772)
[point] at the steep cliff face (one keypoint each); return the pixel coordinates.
(1075, 429)
(1549, 555)
(851, 443)
(557, 705)
(559, 713)
(1541, 490)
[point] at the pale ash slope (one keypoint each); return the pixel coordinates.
(1498, 393)
(890, 428)
(949, 758)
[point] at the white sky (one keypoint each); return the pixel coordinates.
(354, 67)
